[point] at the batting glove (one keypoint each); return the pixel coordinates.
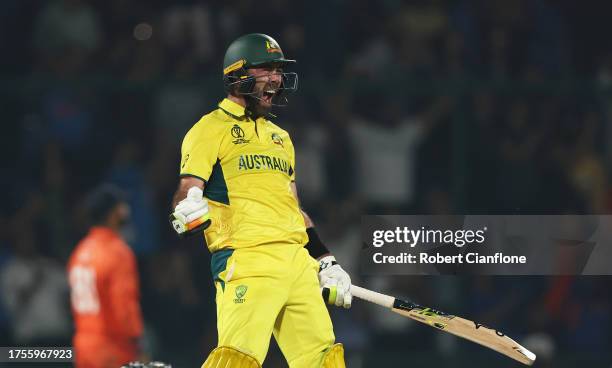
(335, 282)
(191, 214)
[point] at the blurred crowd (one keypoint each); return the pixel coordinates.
(412, 107)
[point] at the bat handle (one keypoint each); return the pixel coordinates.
(372, 296)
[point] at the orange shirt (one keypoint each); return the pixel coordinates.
(104, 286)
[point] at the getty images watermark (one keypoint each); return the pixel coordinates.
(504, 245)
(404, 236)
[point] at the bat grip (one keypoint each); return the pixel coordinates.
(372, 296)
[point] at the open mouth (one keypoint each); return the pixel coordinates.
(268, 95)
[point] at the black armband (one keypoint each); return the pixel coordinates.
(315, 246)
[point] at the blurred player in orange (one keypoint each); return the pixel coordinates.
(104, 287)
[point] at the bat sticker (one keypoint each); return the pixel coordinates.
(438, 325)
(498, 333)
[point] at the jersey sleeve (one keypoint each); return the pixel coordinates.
(199, 151)
(291, 152)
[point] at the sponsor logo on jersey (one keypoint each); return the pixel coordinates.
(263, 162)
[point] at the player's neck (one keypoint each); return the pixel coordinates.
(250, 111)
(237, 99)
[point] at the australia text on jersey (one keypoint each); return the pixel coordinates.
(258, 162)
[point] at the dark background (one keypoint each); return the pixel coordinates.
(415, 107)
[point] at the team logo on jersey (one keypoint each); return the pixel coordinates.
(277, 139)
(240, 291)
(238, 133)
(272, 47)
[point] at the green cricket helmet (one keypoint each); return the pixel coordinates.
(251, 51)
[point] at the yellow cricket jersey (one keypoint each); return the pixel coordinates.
(248, 166)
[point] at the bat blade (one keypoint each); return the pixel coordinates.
(470, 330)
(475, 332)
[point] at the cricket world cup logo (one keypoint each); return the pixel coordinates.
(238, 133)
(240, 291)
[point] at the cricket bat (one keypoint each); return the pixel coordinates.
(476, 332)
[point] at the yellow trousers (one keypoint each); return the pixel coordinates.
(272, 289)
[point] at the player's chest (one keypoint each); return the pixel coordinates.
(254, 148)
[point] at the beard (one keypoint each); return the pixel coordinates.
(256, 106)
(258, 103)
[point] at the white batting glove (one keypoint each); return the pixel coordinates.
(191, 215)
(335, 282)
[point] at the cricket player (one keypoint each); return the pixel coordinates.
(104, 287)
(238, 186)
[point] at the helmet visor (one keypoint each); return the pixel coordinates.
(289, 84)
